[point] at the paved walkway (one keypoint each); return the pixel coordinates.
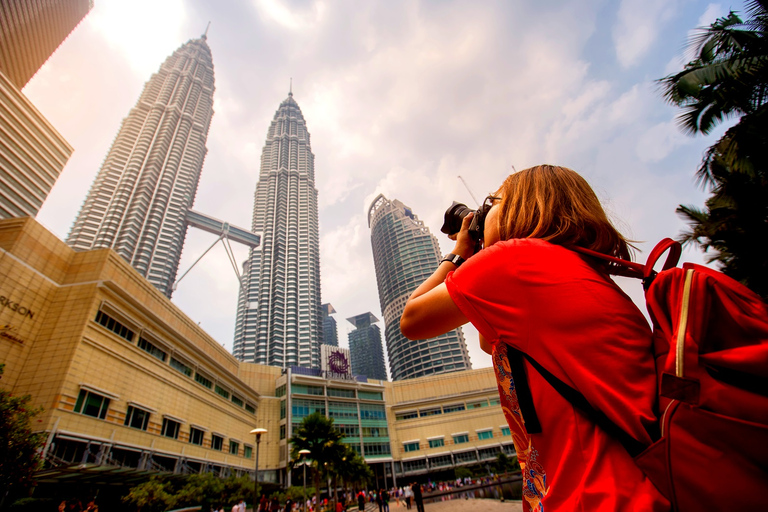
(456, 505)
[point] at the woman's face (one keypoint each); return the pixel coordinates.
(491, 231)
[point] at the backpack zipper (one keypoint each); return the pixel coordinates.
(683, 324)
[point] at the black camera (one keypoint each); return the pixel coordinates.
(456, 213)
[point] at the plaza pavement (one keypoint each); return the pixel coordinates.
(455, 505)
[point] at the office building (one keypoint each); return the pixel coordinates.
(330, 330)
(32, 152)
(138, 202)
(405, 254)
(279, 318)
(365, 348)
(131, 387)
(31, 30)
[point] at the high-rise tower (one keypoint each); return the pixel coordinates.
(32, 152)
(405, 254)
(330, 331)
(138, 202)
(365, 351)
(279, 319)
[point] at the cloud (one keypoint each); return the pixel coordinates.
(637, 27)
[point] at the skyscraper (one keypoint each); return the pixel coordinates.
(138, 202)
(31, 30)
(279, 319)
(32, 152)
(365, 351)
(330, 332)
(405, 254)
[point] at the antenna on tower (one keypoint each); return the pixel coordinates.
(205, 34)
(290, 88)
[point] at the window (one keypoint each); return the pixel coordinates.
(217, 442)
(406, 415)
(505, 431)
(375, 432)
(237, 400)
(369, 395)
(343, 393)
(251, 409)
(411, 447)
(248, 452)
(136, 418)
(485, 434)
(221, 391)
(92, 404)
(307, 390)
(203, 381)
(170, 428)
(372, 412)
(376, 449)
(477, 405)
(453, 408)
(178, 365)
(234, 447)
(430, 412)
(461, 438)
(114, 326)
(196, 436)
(282, 431)
(495, 401)
(282, 409)
(342, 410)
(150, 348)
(436, 443)
(280, 391)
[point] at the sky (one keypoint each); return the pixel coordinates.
(400, 98)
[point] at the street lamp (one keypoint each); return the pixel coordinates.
(303, 454)
(257, 432)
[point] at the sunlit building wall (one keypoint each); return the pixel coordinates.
(279, 318)
(405, 254)
(138, 202)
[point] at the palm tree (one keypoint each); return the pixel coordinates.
(729, 78)
(317, 434)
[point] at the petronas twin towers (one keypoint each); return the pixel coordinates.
(139, 205)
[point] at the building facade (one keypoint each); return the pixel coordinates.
(330, 329)
(32, 152)
(131, 386)
(279, 318)
(405, 254)
(365, 348)
(138, 202)
(31, 30)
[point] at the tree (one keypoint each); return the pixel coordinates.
(153, 495)
(317, 434)
(19, 446)
(728, 78)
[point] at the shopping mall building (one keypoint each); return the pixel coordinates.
(130, 386)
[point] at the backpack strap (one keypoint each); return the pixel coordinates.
(645, 272)
(527, 410)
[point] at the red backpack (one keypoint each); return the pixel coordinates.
(710, 338)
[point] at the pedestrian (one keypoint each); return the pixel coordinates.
(274, 504)
(361, 501)
(407, 495)
(528, 292)
(263, 503)
(288, 505)
(416, 489)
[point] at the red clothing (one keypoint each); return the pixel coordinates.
(575, 321)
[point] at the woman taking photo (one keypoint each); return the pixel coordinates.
(527, 290)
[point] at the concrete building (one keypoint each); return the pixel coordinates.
(330, 329)
(279, 318)
(365, 348)
(32, 152)
(132, 387)
(139, 201)
(405, 253)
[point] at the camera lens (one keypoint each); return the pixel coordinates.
(453, 217)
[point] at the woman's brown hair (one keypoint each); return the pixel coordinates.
(557, 205)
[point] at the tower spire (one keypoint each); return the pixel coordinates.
(205, 34)
(290, 88)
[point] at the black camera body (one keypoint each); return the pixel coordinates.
(455, 214)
